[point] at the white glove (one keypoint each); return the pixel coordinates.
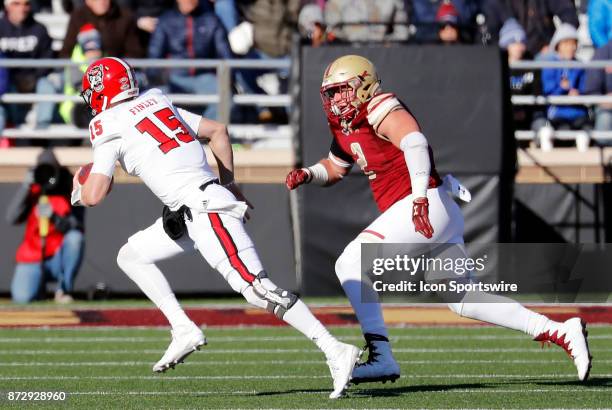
(454, 187)
(75, 197)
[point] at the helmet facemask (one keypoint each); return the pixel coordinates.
(340, 99)
(349, 82)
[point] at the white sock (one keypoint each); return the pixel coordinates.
(503, 311)
(153, 283)
(302, 319)
(174, 312)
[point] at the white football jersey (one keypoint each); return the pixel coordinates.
(152, 140)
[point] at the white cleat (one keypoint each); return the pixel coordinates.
(341, 365)
(381, 366)
(185, 340)
(571, 335)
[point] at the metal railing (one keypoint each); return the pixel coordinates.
(224, 98)
(528, 135)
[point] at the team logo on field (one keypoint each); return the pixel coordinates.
(95, 76)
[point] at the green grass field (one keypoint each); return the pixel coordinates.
(277, 368)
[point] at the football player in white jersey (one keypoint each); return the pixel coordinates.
(160, 143)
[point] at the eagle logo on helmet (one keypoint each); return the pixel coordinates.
(95, 77)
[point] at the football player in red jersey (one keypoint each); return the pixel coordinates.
(374, 129)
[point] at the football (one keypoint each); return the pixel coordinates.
(84, 173)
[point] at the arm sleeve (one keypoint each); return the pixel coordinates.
(192, 120)
(45, 50)
(222, 45)
(105, 156)
(133, 47)
(70, 39)
(338, 156)
(157, 43)
(598, 23)
(581, 81)
(551, 82)
(594, 82)
(4, 79)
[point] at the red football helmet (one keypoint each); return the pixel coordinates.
(107, 81)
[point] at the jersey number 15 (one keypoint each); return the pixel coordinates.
(167, 142)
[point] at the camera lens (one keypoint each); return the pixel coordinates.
(46, 175)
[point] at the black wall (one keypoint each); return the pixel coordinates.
(132, 207)
(459, 97)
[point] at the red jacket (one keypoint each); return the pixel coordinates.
(29, 250)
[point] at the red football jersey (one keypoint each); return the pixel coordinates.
(380, 160)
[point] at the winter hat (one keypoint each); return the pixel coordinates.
(447, 14)
(510, 33)
(564, 32)
(310, 15)
(89, 38)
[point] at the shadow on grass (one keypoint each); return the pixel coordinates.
(291, 391)
(356, 391)
(422, 388)
(592, 382)
(383, 391)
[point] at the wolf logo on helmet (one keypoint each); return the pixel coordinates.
(95, 77)
(108, 81)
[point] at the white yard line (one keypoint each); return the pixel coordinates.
(355, 389)
(275, 362)
(294, 376)
(211, 351)
(146, 339)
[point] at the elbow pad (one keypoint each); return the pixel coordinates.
(416, 154)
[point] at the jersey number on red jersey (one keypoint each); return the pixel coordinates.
(361, 160)
(174, 125)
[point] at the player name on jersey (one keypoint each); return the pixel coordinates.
(143, 105)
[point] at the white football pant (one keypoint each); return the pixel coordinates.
(395, 226)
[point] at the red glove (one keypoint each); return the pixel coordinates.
(296, 178)
(420, 217)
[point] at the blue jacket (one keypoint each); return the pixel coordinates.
(4, 78)
(197, 35)
(600, 21)
(551, 85)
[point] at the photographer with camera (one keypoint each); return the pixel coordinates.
(52, 247)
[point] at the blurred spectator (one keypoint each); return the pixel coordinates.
(565, 81)
(227, 12)
(512, 38)
(189, 31)
(311, 25)
(22, 37)
(147, 14)
(600, 21)
(53, 227)
(599, 82)
(535, 16)
(274, 22)
(4, 86)
(116, 25)
(384, 20)
(423, 15)
(448, 23)
(88, 48)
